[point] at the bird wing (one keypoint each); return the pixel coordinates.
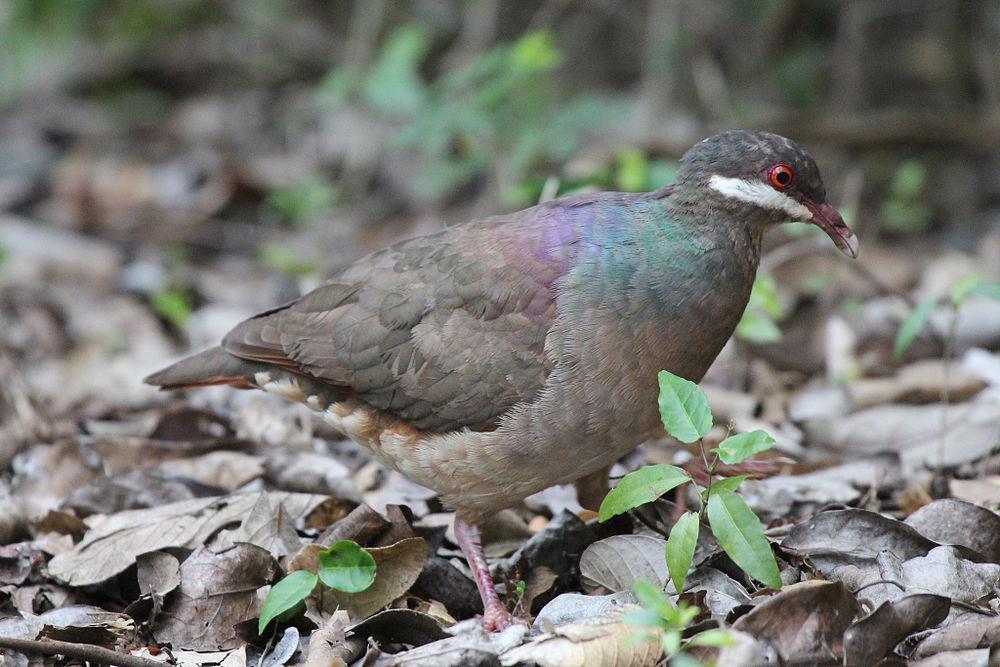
(444, 331)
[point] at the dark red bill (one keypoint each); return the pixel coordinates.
(826, 218)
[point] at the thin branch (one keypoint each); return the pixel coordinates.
(88, 652)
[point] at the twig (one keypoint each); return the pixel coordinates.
(88, 652)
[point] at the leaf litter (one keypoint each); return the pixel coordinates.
(154, 525)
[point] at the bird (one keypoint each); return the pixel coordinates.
(494, 358)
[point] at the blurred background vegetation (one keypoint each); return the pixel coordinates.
(298, 134)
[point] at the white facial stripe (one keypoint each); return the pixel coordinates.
(760, 194)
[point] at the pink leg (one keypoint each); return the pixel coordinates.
(495, 616)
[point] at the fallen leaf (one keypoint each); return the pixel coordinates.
(857, 532)
(269, 528)
(217, 591)
(86, 624)
(557, 547)
(443, 581)
(616, 562)
(470, 647)
(283, 651)
(396, 569)
(977, 631)
(606, 641)
(329, 645)
(112, 546)
(573, 607)
(403, 626)
(950, 521)
(873, 637)
(805, 622)
(157, 572)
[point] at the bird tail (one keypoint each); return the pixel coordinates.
(211, 367)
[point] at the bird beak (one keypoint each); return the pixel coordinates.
(826, 218)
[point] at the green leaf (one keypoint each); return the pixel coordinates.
(715, 637)
(964, 286)
(536, 52)
(725, 484)
(740, 447)
(738, 531)
(640, 487)
(990, 290)
(680, 548)
(757, 328)
(394, 85)
(670, 640)
(912, 326)
(174, 305)
(346, 567)
(684, 660)
(653, 599)
(631, 175)
(285, 595)
(683, 408)
(764, 295)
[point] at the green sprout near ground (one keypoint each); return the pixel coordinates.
(686, 416)
(343, 566)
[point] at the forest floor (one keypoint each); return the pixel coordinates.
(153, 524)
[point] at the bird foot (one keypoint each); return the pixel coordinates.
(497, 619)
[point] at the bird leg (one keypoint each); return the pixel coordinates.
(495, 615)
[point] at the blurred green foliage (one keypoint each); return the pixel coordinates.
(763, 312)
(502, 115)
(904, 209)
(173, 304)
(49, 32)
(287, 262)
(303, 203)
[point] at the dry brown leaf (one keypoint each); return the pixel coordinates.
(616, 562)
(157, 572)
(396, 569)
(113, 546)
(594, 642)
(982, 491)
(217, 591)
(805, 622)
(269, 528)
(874, 636)
(919, 382)
(950, 521)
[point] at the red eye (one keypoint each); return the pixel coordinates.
(781, 176)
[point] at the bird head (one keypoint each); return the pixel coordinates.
(767, 179)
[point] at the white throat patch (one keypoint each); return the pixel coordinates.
(760, 194)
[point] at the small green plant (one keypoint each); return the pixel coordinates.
(759, 323)
(343, 566)
(904, 209)
(666, 623)
(285, 261)
(919, 316)
(303, 203)
(173, 304)
(917, 320)
(687, 417)
(502, 114)
(636, 172)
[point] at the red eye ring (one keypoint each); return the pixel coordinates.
(781, 176)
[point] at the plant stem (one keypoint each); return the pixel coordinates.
(709, 469)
